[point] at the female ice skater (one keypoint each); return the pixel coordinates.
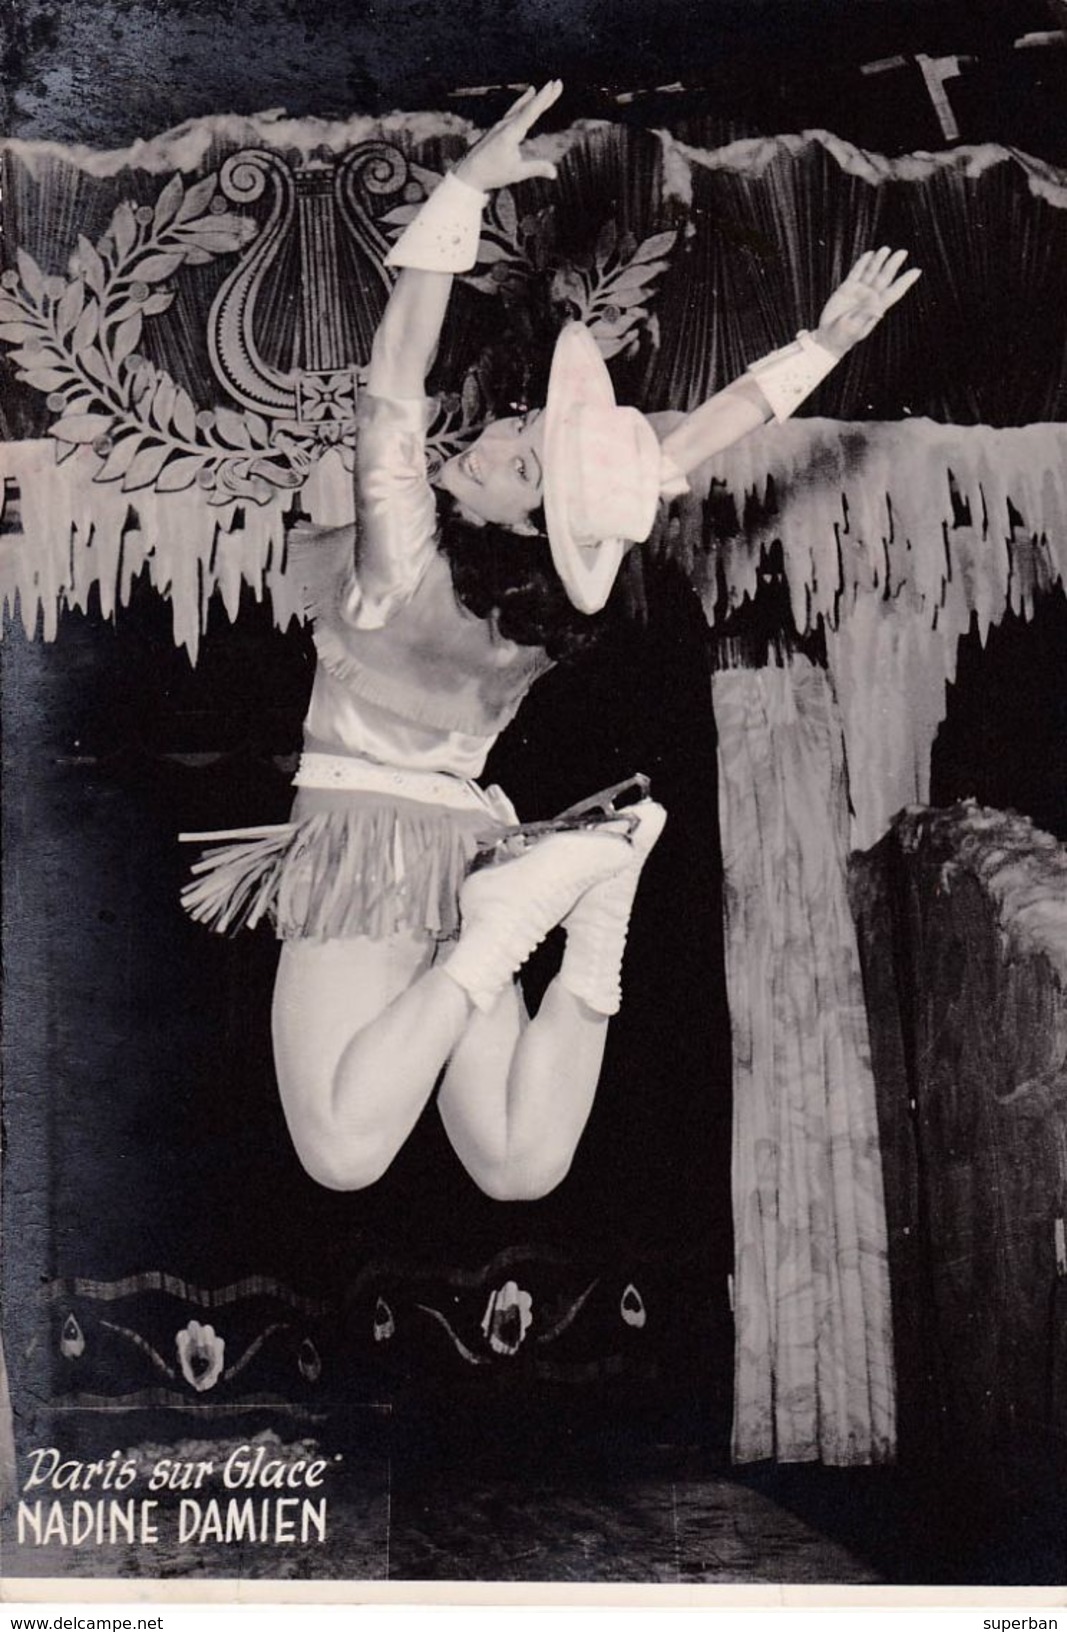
(433, 615)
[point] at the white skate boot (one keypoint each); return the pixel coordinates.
(598, 922)
(532, 879)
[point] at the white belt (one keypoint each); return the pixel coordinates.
(427, 787)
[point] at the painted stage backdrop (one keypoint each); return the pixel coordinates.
(185, 327)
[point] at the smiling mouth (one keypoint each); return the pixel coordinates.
(471, 466)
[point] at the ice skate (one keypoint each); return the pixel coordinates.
(508, 908)
(603, 809)
(597, 924)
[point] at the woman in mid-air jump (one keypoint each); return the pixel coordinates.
(433, 615)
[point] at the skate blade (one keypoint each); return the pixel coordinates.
(600, 810)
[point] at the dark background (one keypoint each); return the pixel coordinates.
(107, 73)
(137, 1047)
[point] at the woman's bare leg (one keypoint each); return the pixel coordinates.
(517, 1093)
(362, 1029)
(519, 1143)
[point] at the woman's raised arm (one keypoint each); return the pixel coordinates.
(775, 385)
(443, 240)
(396, 537)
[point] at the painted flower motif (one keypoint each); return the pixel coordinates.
(309, 1361)
(200, 1354)
(384, 1324)
(71, 1339)
(508, 1317)
(632, 1306)
(327, 396)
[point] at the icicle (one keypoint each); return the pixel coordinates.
(227, 557)
(329, 492)
(890, 671)
(263, 539)
(1052, 511)
(42, 577)
(676, 174)
(99, 510)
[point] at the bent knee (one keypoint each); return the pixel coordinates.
(342, 1165)
(522, 1181)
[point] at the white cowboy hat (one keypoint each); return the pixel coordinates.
(601, 471)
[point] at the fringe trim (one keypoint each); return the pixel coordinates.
(359, 869)
(324, 558)
(321, 559)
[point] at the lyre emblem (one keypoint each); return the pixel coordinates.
(287, 333)
(290, 328)
(294, 321)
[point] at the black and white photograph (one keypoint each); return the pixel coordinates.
(533, 540)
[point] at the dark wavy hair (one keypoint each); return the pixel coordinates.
(508, 576)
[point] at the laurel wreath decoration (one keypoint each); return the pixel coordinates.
(76, 340)
(606, 291)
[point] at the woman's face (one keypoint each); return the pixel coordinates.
(499, 478)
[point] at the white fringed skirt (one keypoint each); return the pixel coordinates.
(367, 851)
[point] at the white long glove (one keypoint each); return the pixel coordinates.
(444, 236)
(874, 284)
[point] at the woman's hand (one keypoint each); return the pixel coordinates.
(852, 311)
(497, 160)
